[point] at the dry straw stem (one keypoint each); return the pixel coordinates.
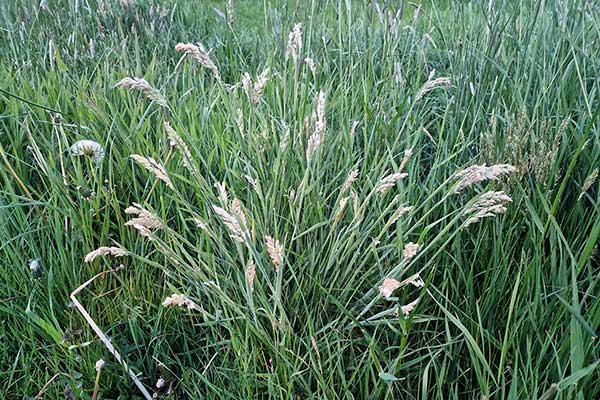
(199, 53)
(101, 334)
(153, 167)
(143, 86)
(104, 251)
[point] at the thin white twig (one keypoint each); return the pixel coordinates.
(101, 334)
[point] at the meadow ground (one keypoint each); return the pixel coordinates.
(397, 201)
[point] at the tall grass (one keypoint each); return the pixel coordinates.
(249, 217)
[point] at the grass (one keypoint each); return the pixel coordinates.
(509, 308)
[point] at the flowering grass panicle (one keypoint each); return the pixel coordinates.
(409, 308)
(199, 53)
(143, 86)
(176, 141)
(275, 250)
(410, 250)
(319, 126)
(145, 222)
(179, 300)
(152, 166)
(294, 45)
(236, 231)
(479, 173)
(389, 181)
(104, 251)
(352, 176)
(587, 184)
(254, 90)
(388, 286)
(489, 204)
(250, 272)
(430, 85)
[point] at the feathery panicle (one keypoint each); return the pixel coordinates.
(250, 272)
(145, 222)
(389, 181)
(104, 251)
(223, 197)
(179, 300)
(407, 154)
(285, 140)
(236, 231)
(399, 213)
(294, 45)
(176, 141)
(587, 184)
(154, 167)
(311, 64)
(353, 130)
(489, 204)
(341, 208)
(430, 85)
(275, 251)
(143, 86)
(238, 211)
(199, 53)
(479, 173)
(352, 175)
(410, 250)
(355, 204)
(88, 148)
(230, 12)
(407, 309)
(252, 182)
(239, 120)
(320, 125)
(414, 280)
(254, 90)
(388, 286)
(200, 224)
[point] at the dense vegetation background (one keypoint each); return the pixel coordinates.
(510, 305)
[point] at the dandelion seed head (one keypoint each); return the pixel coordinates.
(89, 148)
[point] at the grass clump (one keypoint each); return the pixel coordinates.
(328, 199)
